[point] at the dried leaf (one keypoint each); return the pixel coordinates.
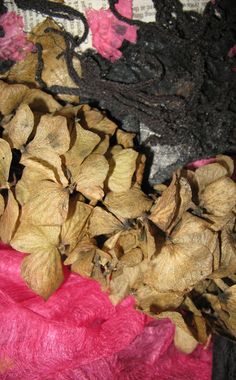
(81, 259)
(18, 130)
(129, 240)
(209, 173)
(97, 122)
(52, 133)
(2, 204)
(149, 299)
(48, 163)
(139, 173)
(126, 139)
(9, 219)
(103, 223)
(148, 245)
(91, 176)
(174, 201)
(130, 204)
(131, 278)
(40, 101)
(225, 306)
(121, 177)
(42, 269)
(5, 163)
(227, 262)
(103, 146)
(198, 320)
(11, 96)
(219, 200)
(55, 69)
(185, 259)
(227, 162)
(183, 339)
(74, 227)
(48, 205)
(85, 142)
(132, 257)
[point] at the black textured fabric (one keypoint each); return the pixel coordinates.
(224, 359)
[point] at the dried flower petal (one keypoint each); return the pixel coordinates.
(184, 260)
(74, 227)
(42, 269)
(124, 167)
(91, 176)
(48, 204)
(103, 223)
(183, 339)
(130, 204)
(18, 130)
(9, 219)
(5, 162)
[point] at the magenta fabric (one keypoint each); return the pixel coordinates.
(79, 335)
(14, 44)
(108, 32)
(198, 163)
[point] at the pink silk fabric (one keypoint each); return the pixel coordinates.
(79, 335)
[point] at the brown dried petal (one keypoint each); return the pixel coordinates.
(209, 173)
(91, 176)
(227, 264)
(103, 223)
(2, 204)
(149, 299)
(97, 122)
(9, 219)
(5, 163)
(125, 164)
(183, 339)
(74, 227)
(85, 142)
(132, 257)
(219, 197)
(18, 130)
(83, 264)
(174, 201)
(185, 259)
(47, 206)
(52, 133)
(131, 278)
(55, 70)
(42, 269)
(11, 96)
(130, 204)
(225, 306)
(126, 139)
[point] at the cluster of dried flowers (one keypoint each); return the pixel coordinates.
(70, 183)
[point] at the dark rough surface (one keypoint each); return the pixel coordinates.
(188, 111)
(224, 359)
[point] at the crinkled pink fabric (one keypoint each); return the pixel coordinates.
(198, 163)
(108, 32)
(14, 44)
(79, 335)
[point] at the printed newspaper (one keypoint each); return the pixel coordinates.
(142, 9)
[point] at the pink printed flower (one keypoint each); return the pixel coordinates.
(108, 32)
(14, 44)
